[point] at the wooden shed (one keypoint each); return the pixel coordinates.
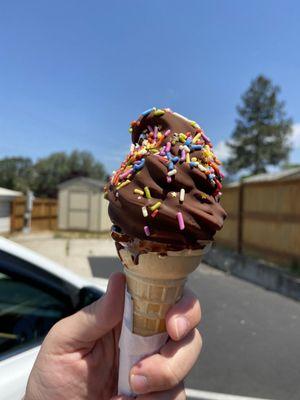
(81, 205)
(6, 197)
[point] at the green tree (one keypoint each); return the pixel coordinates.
(82, 163)
(16, 173)
(59, 167)
(261, 135)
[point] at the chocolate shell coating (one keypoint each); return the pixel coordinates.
(201, 211)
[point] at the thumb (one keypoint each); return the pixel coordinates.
(93, 321)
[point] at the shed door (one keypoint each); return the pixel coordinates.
(79, 210)
(4, 216)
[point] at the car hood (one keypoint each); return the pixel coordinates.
(52, 267)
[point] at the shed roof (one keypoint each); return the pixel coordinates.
(9, 194)
(95, 183)
(287, 174)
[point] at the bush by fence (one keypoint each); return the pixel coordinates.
(263, 220)
(44, 214)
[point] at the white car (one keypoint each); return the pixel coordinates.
(34, 294)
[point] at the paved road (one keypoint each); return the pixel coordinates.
(251, 336)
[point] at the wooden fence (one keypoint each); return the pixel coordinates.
(263, 220)
(44, 214)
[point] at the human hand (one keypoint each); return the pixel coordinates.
(79, 356)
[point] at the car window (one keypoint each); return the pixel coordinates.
(26, 313)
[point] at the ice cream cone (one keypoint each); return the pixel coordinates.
(155, 284)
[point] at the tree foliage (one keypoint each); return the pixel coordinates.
(16, 173)
(261, 135)
(47, 173)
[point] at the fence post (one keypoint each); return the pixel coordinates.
(12, 216)
(240, 217)
(50, 215)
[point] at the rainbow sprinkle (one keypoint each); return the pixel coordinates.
(154, 214)
(180, 221)
(155, 206)
(194, 124)
(121, 185)
(173, 172)
(147, 230)
(197, 137)
(159, 112)
(202, 168)
(168, 147)
(125, 174)
(181, 195)
(183, 156)
(182, 137)
(196, 147)
(170, 166)
(139, 165)
(144, 113)
(139, 191)
(147, 192)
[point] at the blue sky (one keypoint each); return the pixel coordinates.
(74, 73)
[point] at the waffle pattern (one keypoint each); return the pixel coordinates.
(152, 299)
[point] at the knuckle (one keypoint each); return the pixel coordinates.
(91, 309)
(56, 328)
(53, 335)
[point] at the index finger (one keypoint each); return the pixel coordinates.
(184, 316)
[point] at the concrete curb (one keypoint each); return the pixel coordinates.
(256, 271)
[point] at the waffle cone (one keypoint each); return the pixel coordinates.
(155, 284)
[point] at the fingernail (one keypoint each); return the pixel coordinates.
(182, 327)
(138, 383)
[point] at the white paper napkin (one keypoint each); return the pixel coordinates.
(134, 347)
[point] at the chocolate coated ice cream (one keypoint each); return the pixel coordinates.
(166, 193)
